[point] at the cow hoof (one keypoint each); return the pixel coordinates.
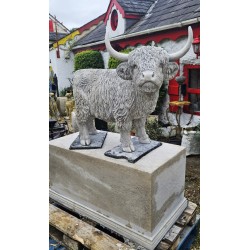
(144, 141)
(126, 149)
(129, 149)
(94, 132)
(132, 147)
(85, 142)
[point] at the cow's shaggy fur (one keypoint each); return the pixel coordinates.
(126, 95)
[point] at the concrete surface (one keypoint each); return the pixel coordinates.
(140, 201)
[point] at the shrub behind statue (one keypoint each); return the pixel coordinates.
(126, 95)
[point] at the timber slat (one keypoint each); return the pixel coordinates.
(87, 235)
(191, 207)
(74, 231)
(71, 244)
(163, 246)
(188, 215)
(172, 235)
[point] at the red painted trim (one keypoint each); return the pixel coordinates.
(128, 16)
(173, 89)
(51, 28)
(157, 37)
(193, 91)
(91, 23)
(189, 90)
(117, 5)
(172, 34)
(190, 66)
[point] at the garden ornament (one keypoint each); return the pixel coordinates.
(126, 95)
(69, 105)
(53, 111)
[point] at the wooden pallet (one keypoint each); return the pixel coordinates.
(81, 233)
(172, 238)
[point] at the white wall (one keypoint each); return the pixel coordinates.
(62, 67)
(120, 27)
(105, 56)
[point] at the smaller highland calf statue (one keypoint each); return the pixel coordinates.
(126, 95)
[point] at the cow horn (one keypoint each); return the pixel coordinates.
(120, 56)
(185, 49)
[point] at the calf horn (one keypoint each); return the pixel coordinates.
(120, 56)
(185, 49)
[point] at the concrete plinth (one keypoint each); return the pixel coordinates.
(140, 201)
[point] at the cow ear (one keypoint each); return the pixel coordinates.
(124, 71)
(170, 70)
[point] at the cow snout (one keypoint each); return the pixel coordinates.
(148, 81)
(148, 75)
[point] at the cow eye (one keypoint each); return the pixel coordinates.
(135, 66)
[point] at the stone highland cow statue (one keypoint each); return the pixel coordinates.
(126, 95)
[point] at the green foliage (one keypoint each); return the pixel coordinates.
(89, 59)
(153, 129)
(113, 62)
(66, 90)
(111, 127)
(197, 129)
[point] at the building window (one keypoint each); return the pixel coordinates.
(114, 20)
(192, 74)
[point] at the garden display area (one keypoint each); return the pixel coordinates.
(129, 185)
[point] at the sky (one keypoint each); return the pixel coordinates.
(75, 13)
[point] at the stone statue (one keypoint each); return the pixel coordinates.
(126, 95)
(69, 105)
(53, 111)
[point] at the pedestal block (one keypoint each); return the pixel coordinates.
(140, 201)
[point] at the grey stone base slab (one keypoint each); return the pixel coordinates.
(140, 150)
(96, 141)
(140, 200)
(145, 239)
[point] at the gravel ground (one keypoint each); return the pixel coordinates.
(192, 188)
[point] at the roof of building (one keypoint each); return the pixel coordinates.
(96, 35)
(160, 13)
(59, 23)
(52, 36)
(166, 12)
(136, 6)
(92, 24)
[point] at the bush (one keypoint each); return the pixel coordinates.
(113, 62)
(153, 129)
(66, 90)
(89, 59)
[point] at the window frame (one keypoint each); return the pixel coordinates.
(186, 69)
(114, 19)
